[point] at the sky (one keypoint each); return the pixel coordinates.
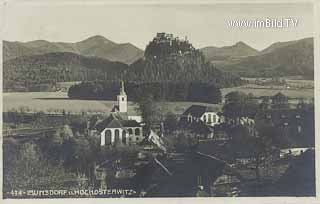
(203, 24)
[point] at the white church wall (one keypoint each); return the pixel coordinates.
(137, 118)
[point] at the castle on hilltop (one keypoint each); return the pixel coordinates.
(166, 45)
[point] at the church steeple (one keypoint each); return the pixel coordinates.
(122, 99)
(122, 92)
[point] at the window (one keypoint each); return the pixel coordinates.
(137, 131)
(299, 128)
(107, 137)
(130, 131)
(116, 136)
(124, 133)
(122, 98)
(214, 118)
(205, 118)
(209, 118)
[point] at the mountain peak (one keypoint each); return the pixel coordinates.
(98, 39)
(241, 44)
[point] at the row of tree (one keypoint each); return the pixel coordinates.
(169, 91)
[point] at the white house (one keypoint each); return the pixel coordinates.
(196, 113)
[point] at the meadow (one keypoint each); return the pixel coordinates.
(266, 91)
(56, 102)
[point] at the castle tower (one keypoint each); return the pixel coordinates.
(122, 99)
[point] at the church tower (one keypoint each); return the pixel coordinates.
(122, 99)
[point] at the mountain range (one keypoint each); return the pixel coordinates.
(99, 58)
(279, 59)
(96, 46)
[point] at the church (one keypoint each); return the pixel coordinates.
(122, 127)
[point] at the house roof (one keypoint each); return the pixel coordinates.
(199, 110)
(279, 95)
(283, 114)
(177, 176)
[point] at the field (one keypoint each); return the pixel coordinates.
(56, 102)
(291, 93)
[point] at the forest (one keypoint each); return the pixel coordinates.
(170, 91)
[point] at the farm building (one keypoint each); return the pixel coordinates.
(199, 113)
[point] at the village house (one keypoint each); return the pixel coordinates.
(199, 113)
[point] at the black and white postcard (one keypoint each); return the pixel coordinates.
(205, 100)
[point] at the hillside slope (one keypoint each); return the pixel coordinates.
(55, 67)
(286, 59)
(96, 46)
(228, 53)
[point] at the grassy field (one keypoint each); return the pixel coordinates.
(291, 93)
(56, 102)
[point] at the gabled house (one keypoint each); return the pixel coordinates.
(199, 113)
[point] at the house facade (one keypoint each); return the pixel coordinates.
(199, 113)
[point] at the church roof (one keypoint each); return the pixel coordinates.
(130, 123)
(199, 110)
(115, 108)
(110, 122)
(116, 121)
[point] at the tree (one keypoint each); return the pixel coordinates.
(29, 169)
(239, 104)
(170, 122)
(265, 103)
(265, 148)
(148, 110)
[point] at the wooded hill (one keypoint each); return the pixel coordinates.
(279, 59)
(189, 66)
